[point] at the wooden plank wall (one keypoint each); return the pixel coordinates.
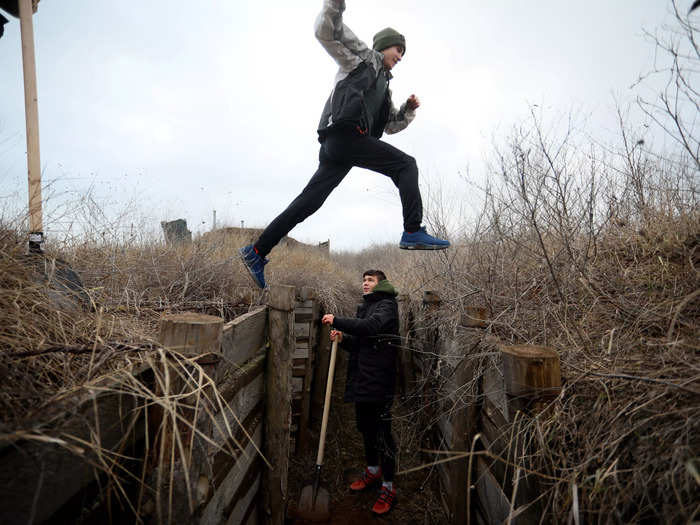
(39, 479)
(460, 374)
(306, 332)
(234, 480)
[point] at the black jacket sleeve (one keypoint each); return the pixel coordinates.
(348, 343)
(370, 325)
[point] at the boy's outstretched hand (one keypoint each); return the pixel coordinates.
(328, 319)
(412, 103)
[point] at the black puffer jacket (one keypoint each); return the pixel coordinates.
(360, 101)
(372, 339)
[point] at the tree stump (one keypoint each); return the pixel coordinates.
(532, 376)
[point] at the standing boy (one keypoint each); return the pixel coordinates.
(354, 118)
(371, 338)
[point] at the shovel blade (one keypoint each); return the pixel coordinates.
(319, 510)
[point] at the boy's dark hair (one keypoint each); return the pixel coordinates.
(375, 273)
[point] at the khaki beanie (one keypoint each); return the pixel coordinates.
(388, 37)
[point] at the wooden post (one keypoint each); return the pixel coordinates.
(191, 334)
(405, 364)
(532, 378)
(531, 375)
(278, 410)
(431, 338)
(464, 425)
(31, 105)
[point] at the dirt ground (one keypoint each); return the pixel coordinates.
(418, 499)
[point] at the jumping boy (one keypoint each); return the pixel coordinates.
(371, 338)
(354, 118)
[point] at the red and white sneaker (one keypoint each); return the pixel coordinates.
(366, 480)
(385, 502)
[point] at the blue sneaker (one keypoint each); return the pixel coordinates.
(420, 240)
(254, 264)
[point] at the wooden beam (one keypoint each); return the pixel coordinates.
(531, 375)
(494, 503)
(242, 338)
(192, 333)
(278, 411)
(405, 361)
(464, 427)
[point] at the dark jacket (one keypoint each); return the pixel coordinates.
(361, 98)
(359, 102)
(372, 339)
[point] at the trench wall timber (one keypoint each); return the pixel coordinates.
(269, 369)
(473, 391)
(231, 469)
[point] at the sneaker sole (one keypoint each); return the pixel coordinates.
(422, 247)
(250, 272)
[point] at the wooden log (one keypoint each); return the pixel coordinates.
(278, 411)
(531, 375)
(192, 333)
(532, 379)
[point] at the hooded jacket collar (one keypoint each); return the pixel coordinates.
(383, 290)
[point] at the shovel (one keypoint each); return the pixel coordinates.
(314, 503)
(65, 286)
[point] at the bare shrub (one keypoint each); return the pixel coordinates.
(593, 251)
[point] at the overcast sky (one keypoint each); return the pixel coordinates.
(183, 111)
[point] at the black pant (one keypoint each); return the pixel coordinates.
(374, 423)
(340, 151)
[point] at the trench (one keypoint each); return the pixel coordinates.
(457, 392)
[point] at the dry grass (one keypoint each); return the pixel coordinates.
(60, 353)
(596, 254)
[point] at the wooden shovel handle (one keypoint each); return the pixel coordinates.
(31, 107)
(327, 403)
